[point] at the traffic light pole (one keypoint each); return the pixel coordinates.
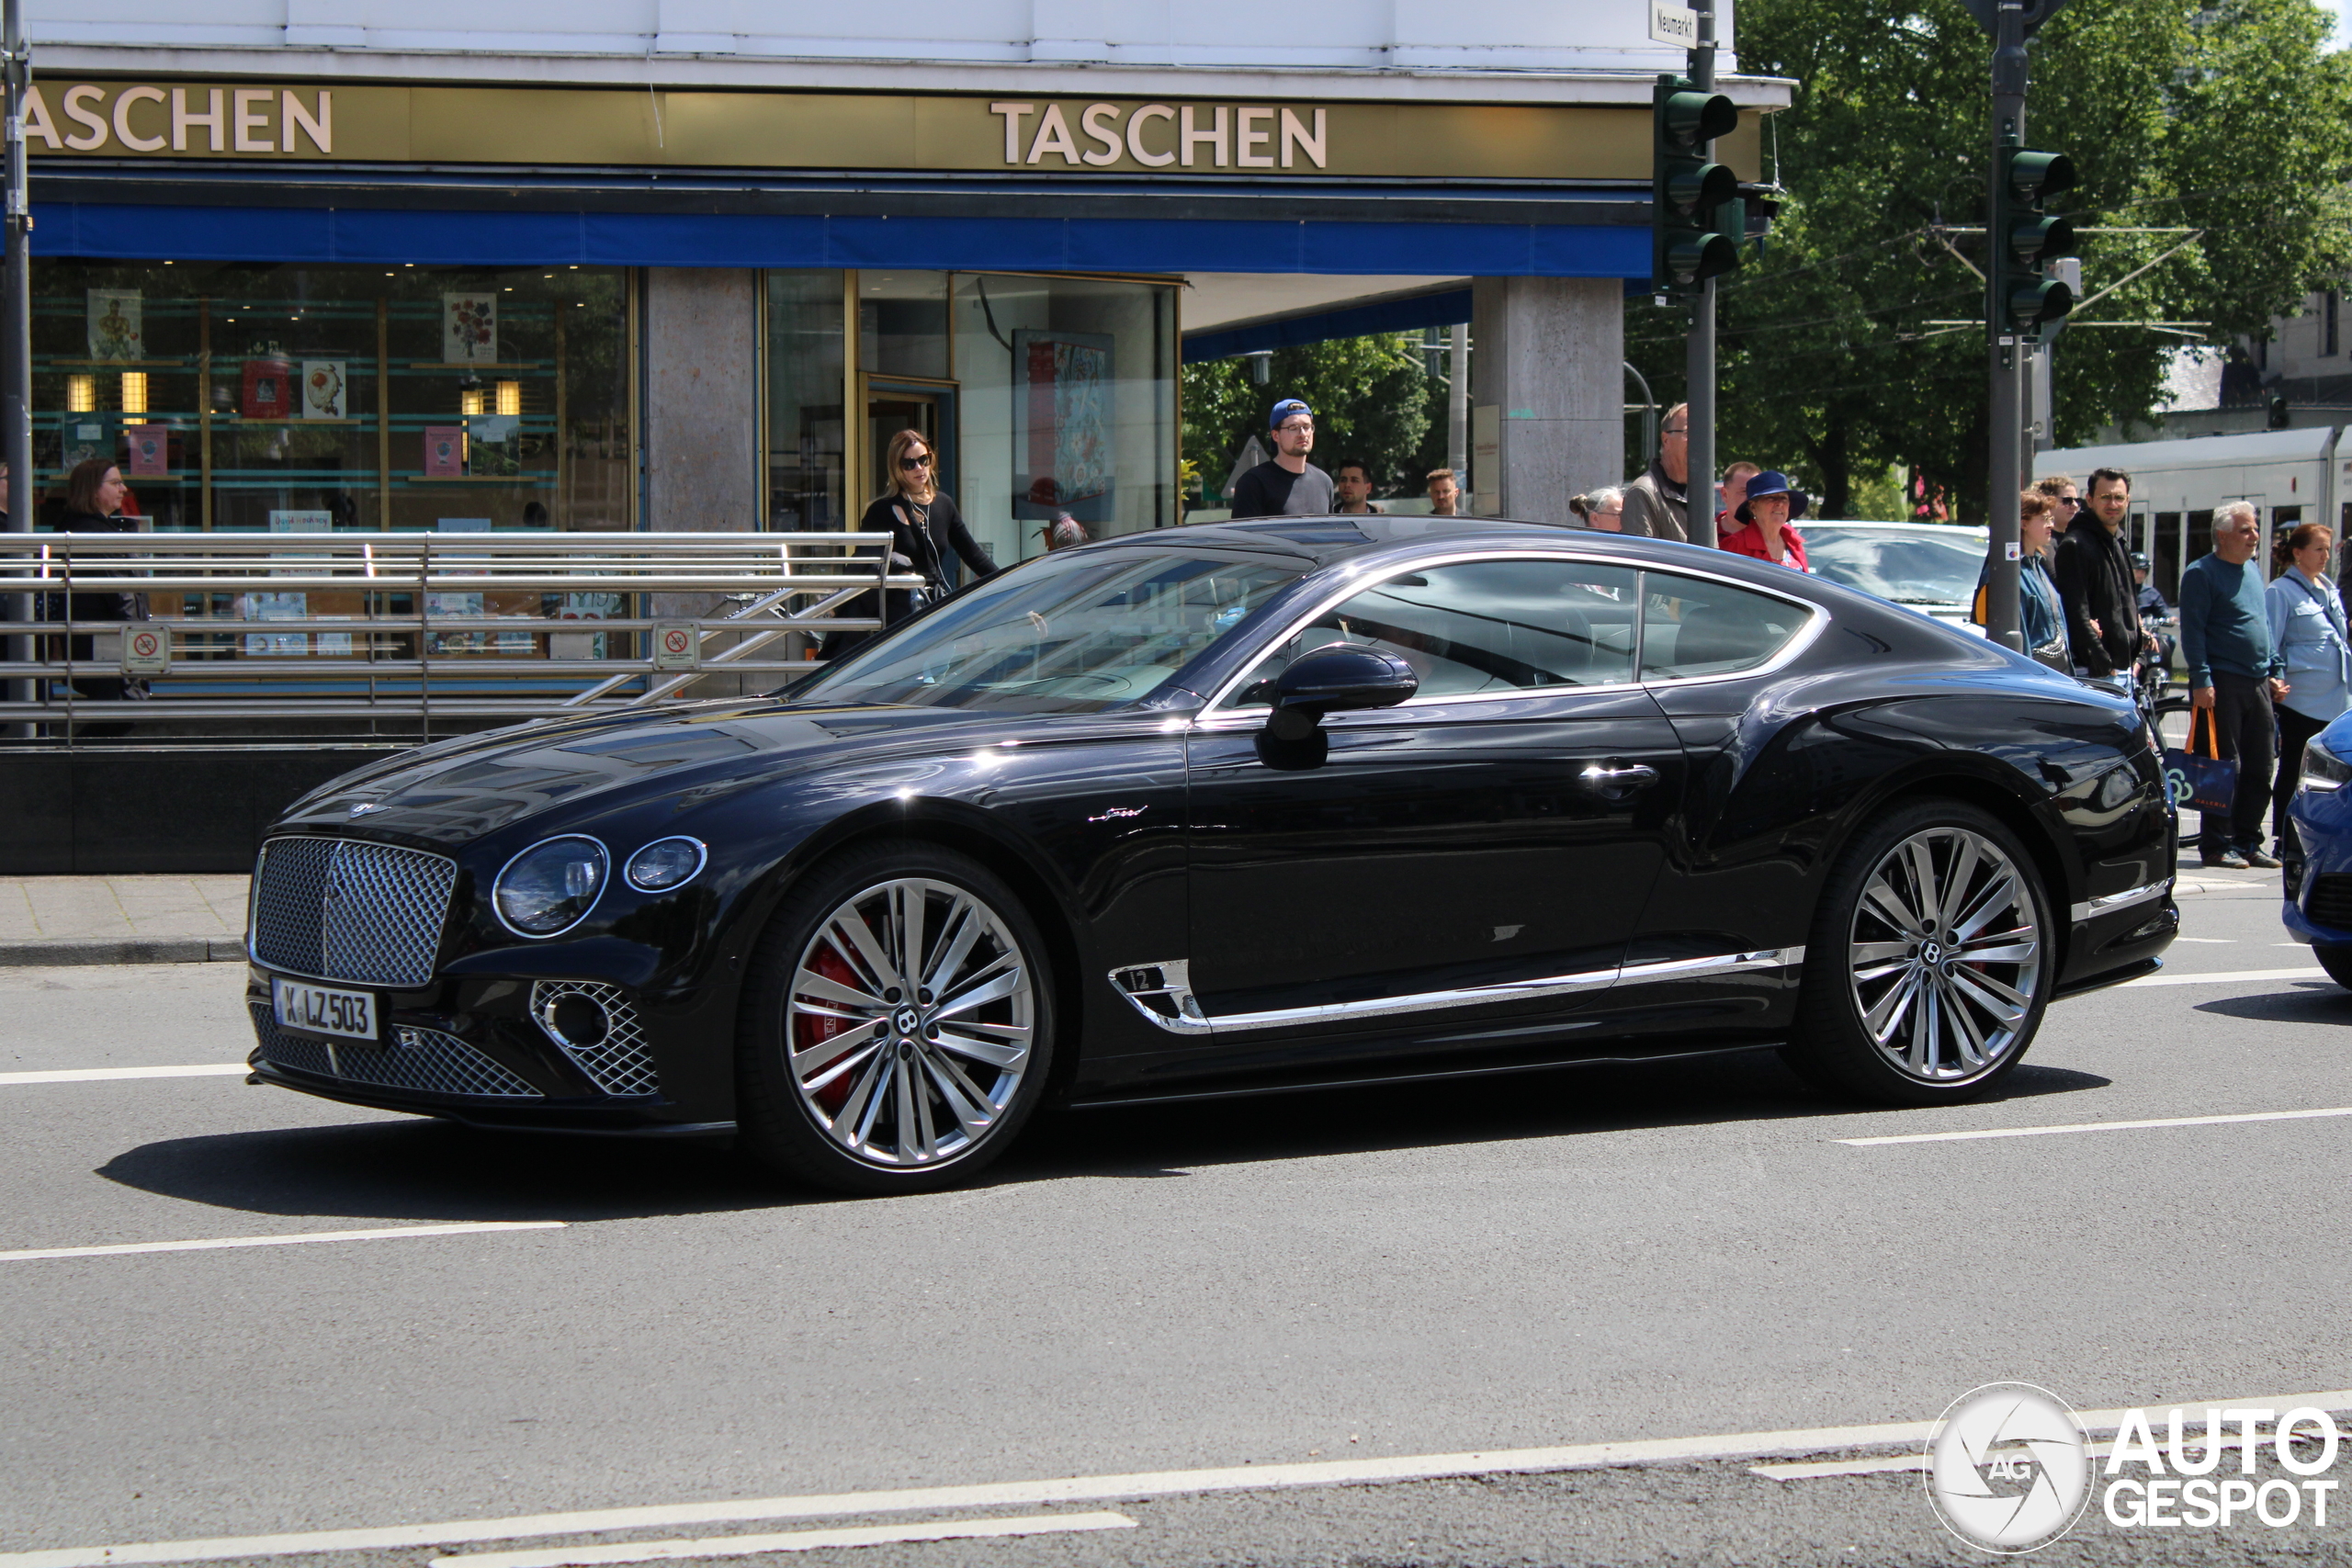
(2006, 414)
(16, 330)
(1699, 362)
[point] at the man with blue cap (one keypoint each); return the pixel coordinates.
(1288, 485)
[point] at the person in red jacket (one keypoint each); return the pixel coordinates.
(1772, 505)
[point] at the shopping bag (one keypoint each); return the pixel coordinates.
(2199, 778)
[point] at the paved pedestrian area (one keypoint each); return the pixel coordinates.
(122, 919)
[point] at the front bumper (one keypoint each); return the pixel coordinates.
(490, 1051)
(2318, 904)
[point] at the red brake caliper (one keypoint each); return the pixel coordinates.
(815, 1029)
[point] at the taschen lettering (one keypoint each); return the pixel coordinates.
(1101, 135)
(245, 119)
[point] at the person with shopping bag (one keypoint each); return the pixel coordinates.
(2234, 675)
(2308, 634)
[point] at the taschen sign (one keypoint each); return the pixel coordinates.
(232, 121)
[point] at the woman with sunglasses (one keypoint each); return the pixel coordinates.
(924, 529)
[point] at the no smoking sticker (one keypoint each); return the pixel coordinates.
(676, 646)
(146, 650)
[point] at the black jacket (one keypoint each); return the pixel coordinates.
(926, 538)
(2095, 583)
(96, 606)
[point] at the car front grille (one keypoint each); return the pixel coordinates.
(347, 910)
(423, 1059)
(2330, 903)
(619, 1064)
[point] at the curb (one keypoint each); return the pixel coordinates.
(2223, 884)
(83, 950)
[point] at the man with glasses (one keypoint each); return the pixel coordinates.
(1657, 503)
(1286, 485)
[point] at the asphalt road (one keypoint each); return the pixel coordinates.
(1665, 1252)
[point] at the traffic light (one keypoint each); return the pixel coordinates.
(1686, 244)
(2025, 241)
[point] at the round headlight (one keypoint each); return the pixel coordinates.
(665, 863)
(550, 886)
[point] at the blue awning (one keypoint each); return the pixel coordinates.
(447, 238)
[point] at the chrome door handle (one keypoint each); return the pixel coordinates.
(1617, 782)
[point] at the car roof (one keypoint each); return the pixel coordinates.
(1316, 543)
(1324, 539)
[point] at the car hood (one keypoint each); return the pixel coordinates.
(458, 791)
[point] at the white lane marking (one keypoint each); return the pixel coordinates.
(788, 1541)
(2229, 941)
(105, 1074)
(467, 1227)
(1079, 1489)
(2096, 1127)
(2232, 977)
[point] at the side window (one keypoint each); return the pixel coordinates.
(1482, 627)
(1692, 627)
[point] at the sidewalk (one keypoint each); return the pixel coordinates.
(122, 919)
(195, 920)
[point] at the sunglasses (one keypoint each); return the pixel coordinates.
(914, 462)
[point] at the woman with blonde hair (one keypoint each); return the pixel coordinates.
(924, 529)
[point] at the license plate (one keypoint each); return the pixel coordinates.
(323, 1009)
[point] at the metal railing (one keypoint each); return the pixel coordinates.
(413, 629)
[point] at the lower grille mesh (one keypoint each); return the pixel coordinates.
(424, 1059)
(620, 1061)
(2331, 901)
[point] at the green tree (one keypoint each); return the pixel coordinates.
(1839, 353)
(1371, 398)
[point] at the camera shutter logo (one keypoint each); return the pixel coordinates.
(2008, 1469)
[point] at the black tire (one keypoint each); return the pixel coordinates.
(2338, 961)
(1962, 1029)
(916, 1101)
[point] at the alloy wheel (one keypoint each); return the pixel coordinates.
(1945, 956)
(910, 1022)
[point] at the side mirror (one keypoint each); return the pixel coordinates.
(1334, 679)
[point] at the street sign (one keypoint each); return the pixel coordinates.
(1672, 24)
(676, 646)
(147, 651)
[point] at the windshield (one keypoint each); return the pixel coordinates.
(1077, 632)
(1910, 569)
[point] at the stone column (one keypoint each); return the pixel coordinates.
(1547, 389)
(702, 367)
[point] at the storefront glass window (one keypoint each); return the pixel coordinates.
(1067, 403)
(902, 323)
(805, 431)
(256, 397)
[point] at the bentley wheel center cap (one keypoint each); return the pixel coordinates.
(906, 1021)
(1931, 953)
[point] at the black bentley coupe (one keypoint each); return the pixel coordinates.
(1227, 809)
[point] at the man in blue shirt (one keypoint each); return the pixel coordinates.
(2234, 674)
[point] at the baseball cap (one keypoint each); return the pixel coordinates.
(1286, 407)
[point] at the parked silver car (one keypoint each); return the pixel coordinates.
(1928, 567)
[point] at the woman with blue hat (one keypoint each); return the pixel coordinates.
(1773, 505)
